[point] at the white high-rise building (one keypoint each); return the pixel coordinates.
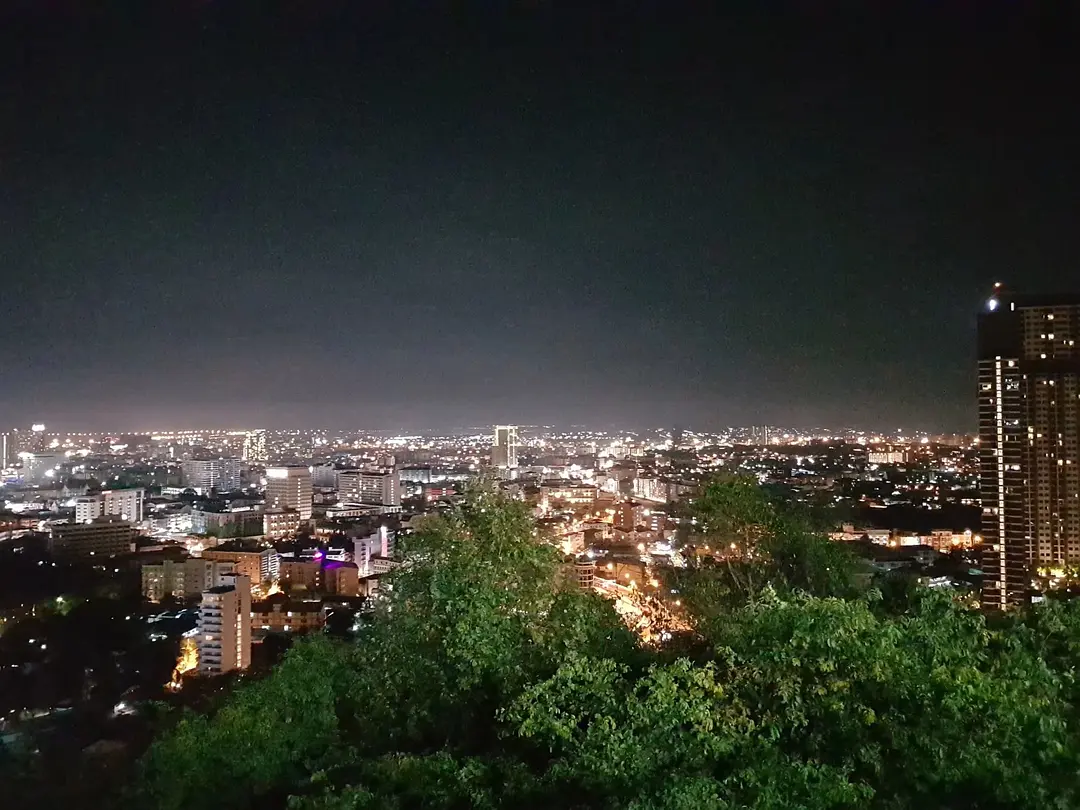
(255, 446)
(362, 486)
(222, 474)
(289, 488)
(380, 544)
(124, 503)
(504, 450)
(225, 627)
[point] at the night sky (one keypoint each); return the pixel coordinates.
(405, 215)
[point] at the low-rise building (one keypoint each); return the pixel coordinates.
(184, 577)
(301, 574)
(100, 538)
(258, 566)
(280, 523)
(126, 504)
(383, 565)
(279, 614)
(341, 578)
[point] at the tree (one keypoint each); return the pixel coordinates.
(757, 544)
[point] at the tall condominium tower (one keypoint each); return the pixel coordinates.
(1029, 429)
(504, 450)
(255, 446)
(289, 488)
(225, 627)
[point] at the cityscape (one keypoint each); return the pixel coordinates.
(594, 406)
(317, 511)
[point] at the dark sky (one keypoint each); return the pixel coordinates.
(395, 214)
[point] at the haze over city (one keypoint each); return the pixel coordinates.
(402, 216)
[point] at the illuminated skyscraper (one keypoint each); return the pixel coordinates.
(38, 441)
(504, 450)
(289, 488)
(255, 446)
(1029, 440)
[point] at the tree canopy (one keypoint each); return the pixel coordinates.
(485, 681)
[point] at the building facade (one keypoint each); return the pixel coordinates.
(123, 503)
(341, 578)
(362, 486)
(379, 544)
(254, 449)
(225, 627)
(1029, 440)
(258, 566)
(302, 574)
(280, 523)
(289, 488)
(505, 447)
(103, 537)
(183, 577)
(222, 474)
(279, 614)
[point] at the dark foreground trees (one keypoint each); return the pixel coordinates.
(483, 682)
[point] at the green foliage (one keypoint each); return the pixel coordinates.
(265, 737)
(482, 683)
(759, 546)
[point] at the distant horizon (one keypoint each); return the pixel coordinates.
(462, 430)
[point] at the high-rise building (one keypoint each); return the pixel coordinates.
(760, 434)
(1029, 440)
(377, 545)
(255, 446)
(362, 486)
(505, 447)
(650, 489)
(222, 474)
(324, 476)
(37, 441)
(289, 488)
(6, 450)
(225, 627)
(42, 468)
(124, 503)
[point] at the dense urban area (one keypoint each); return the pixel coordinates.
(140, 568)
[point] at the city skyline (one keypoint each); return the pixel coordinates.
(361, 214)
(759, 432)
